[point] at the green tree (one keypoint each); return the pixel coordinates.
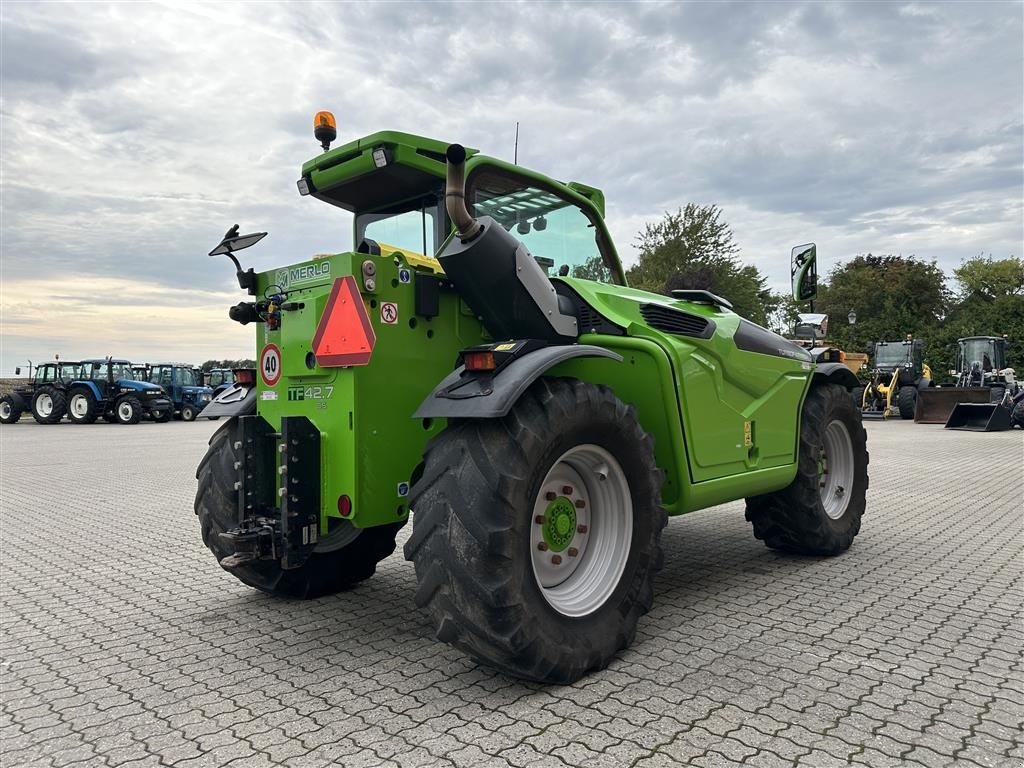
(694, 249)
(892, 296)
(990, 279)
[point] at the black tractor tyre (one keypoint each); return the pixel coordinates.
(163, 416)
(324, 573)
(82, 407)
(11, 408)
(1017, 415)
(188, 412)
(857, 393)
(128, 410)
(795, 519)
(57, 405)
(475, 529)
(906, 399)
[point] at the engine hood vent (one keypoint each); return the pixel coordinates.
(676, 321)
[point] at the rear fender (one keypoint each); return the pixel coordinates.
(89, 385)
(464, 395)
(834, 373)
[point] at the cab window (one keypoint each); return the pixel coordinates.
(562, 237)
(414, 225)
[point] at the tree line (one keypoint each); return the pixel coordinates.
(892, 295)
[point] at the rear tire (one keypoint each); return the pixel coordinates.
(48, 405)
(188, 413)
(10, 409)
(569, 467)
(341, 560)
(128, 410)
(1017, 415)
(820, 512)
(82, 407)
(163, 416)
(906, 399)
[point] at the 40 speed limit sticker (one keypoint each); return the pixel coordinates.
(270, 365)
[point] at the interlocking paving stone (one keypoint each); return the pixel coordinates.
(124, 644)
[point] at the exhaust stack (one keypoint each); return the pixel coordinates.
(455, 194)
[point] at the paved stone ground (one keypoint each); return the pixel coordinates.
(124, 644)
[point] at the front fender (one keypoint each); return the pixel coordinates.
(835, 373)
(234, 401)
(482, 396)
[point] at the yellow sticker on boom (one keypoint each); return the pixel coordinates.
(748, 434)
(505, 347)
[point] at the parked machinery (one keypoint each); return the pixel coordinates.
(580, 413)
(898, 375)
(982, 377)
(45, 397)
(108, 388)
(184, 388)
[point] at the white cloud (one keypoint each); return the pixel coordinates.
(133, 135)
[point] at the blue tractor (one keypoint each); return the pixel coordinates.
(108, 389)
(183, 385)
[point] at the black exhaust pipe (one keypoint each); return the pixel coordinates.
(455, 194)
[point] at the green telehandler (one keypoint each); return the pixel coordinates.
(540, 471)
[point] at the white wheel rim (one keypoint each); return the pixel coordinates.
(125, 411)
(578, 567)
(835, 470)
(5, 410)
(79, 405)
(44, 405)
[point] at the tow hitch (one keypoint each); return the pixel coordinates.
(287, 530)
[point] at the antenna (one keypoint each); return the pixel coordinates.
(515, 152)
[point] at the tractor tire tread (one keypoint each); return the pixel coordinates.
(59, 405)
(464, 559)
(906, 401)
(793, 519)
(323, 573)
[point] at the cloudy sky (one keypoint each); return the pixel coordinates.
(134, 135)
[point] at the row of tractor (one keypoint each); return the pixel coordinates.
(982, 393)
(115, 390)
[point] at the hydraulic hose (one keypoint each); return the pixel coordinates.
(455, 193)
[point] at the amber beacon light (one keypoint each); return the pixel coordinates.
(325, 130)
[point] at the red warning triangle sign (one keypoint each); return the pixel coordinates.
(344, 335)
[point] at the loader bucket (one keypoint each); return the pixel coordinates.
(936, 404)
(979, 417)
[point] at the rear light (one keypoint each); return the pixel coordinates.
(479, 361)
(344, 506)
(243, 377)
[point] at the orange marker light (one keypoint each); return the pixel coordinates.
(479, 361)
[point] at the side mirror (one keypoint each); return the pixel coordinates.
(803, 270)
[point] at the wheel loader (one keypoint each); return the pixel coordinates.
(982, 381)
(898, 375)
(476, 362)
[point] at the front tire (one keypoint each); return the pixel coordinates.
(10, 409)
(48, 405)
(342, 559)
(128, 410)
(820, 512)
(536, 536)
(188, 413)
(906, 400)
(82, 408)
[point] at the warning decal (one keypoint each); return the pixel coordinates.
(344, 335)
(388, 312)
(270, 365)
